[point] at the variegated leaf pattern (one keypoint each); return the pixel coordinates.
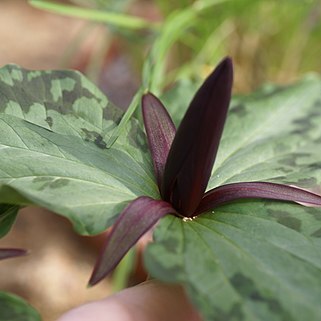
(255, 259)
(250, 260)
(53, 132)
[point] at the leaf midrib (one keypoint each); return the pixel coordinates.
(9, 183)
(43, 154)
(145, 177)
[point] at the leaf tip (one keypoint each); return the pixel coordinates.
(160, 131)
(94, 279)
(12, 253)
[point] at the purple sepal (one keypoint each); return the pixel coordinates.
(160, 131)
(9, 253)
(134, 221)
(193, 151)
(235, 191)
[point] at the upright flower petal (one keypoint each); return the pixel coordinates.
(160, 131)
(231, 192)
(135, 220)
(8, 253)
(193, 151)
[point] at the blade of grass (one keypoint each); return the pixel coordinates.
(123, 271)
(131, 109)
(112, 18)
(173, 28)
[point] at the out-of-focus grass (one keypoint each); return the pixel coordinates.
(270, 40)
(112, 18)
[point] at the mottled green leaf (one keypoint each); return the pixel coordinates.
(246, 261)
(274, 135)
(62, 101)
(54, 127)
(254, 259)
(13, 308)
(250, 260)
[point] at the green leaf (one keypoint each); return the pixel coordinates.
(254, 259)
(54, 127)
(126, 117)
(273, 135)
(13, 308)
(250, 260)
(8, 215)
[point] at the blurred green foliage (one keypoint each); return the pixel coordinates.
(268, 39)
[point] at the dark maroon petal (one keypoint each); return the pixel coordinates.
(193, 151)
(134, 221)
(8, 253)
(160, 131)
(231, 192)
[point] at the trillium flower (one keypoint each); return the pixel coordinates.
(183, 162)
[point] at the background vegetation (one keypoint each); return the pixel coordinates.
(271, 40)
